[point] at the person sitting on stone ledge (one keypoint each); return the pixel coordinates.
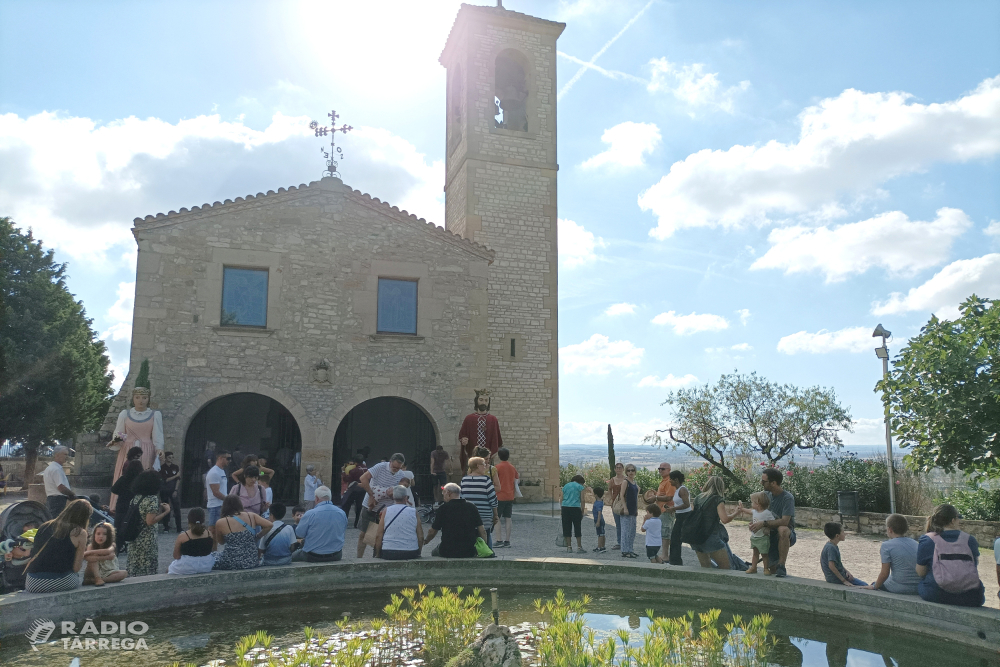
(460, 524)
(237, 530)
(321, 530)
(102, 557)
(276, 546)
(948, 562)
(782, 536)
(899, 559)
(57, 554)
(194, 549)
(400, 531)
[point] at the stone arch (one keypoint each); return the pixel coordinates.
(177, 432)
(512, 86)
(193, 407)
(427, 405)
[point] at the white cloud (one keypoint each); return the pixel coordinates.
(596, 432)
(741, 347)
(847, 147)
(670, 382)
(692, 85)
(599, 356)
(744, 314)
(627, 142)
(943, 293)
(851, 339)
(118, 336)
(577, 246)
(79, 183)
(620, 309)
(889, 240)
(870, 432)
(693, 323)
(993, 229)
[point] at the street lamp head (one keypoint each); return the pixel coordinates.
(881, 353)
(881, 331)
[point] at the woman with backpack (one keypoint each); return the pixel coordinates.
(139, 527)
(948, 561)
(704, 529)
(250, 492)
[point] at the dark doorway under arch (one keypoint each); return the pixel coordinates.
(383, 426)
(242, 424)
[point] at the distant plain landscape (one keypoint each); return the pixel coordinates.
(647, 456)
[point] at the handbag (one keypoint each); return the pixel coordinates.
(619, 506)
(482, 549)
(517, 489)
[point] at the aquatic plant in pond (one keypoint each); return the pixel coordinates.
(423, 628)
(667, 642)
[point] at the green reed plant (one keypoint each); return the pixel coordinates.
(667, 642)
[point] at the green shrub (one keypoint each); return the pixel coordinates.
(975, 503)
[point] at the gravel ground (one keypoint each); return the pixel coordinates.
(535, 533)
(536, 530)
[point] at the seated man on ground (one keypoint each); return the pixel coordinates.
(899, 559)
(459, 523)
(321, 530)
(276, 545)
(829, 560)
(782, 536)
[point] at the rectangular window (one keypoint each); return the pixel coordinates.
(244, 297)
(397, 306)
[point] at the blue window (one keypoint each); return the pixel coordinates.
(397, 306)
(244, 297)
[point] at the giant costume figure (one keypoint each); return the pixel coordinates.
(480, 429)
(138, 426)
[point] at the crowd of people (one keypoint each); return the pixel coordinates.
(242, 528)
(941, 567)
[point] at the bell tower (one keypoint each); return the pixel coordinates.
(501, 191)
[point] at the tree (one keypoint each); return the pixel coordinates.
(747, 415)
(54, 379)
(611, 451)
(943, 393)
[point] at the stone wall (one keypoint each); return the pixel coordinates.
(873, 523)
(325, 247)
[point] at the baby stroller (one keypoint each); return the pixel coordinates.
(12, 525)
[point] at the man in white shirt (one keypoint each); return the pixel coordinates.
(57, 490)
(378, 483)
(216, 487)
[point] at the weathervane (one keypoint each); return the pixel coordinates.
(331, 163)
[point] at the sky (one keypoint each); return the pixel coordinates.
(742, 186)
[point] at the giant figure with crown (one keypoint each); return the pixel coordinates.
(138, 426)
(480, 429)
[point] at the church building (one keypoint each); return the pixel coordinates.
(309, 323)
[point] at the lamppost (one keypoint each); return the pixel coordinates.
(883, 354)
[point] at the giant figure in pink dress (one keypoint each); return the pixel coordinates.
(138, 426)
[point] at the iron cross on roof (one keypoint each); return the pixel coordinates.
(331, 161)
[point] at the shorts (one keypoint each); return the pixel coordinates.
(774, 539)
(367, 517)
(505, 508)
(599, 528)
(762, 544)
(214, 514)
(652, 551)
(667, 520)
(712, 544)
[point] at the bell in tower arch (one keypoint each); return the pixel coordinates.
(512, 92)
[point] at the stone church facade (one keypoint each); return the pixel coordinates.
(319, 316)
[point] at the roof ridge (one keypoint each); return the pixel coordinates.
(362, 197)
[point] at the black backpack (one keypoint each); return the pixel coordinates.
(701, 522)
(132, 524)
